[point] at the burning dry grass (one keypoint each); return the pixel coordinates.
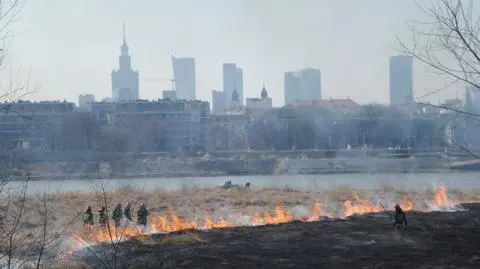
(192, 203)
(215, 208)
(243, 203)
(197, 208)
(432, 240)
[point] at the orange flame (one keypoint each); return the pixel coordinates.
(164, 224)
(441, 199)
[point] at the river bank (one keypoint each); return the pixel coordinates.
(180, 175)
(208, 167)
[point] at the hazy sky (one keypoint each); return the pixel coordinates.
(70, 47)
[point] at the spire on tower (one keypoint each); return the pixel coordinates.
(124, 48)
(264, 93)
(235, 97)
(124, 34)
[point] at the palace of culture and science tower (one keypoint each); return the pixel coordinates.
(125, 79)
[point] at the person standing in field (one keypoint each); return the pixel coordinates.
(117, 215)
(128, 212)
(142, 215)
(400, 221)
(88, 219)
(102, 214)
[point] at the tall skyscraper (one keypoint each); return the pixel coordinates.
(184, 75)
(401, 80)
(232, 80)
(302, 85)
(125, 79)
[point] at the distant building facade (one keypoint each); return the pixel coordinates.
(232, 80)
(35, 125)
(124, 94)
(228, 127)
(85, 101)
(125, 79)
(332, 104)
(219, 102)
(235, 103)
(228, 131)
(472, 99)
(184, 78)
(181, 125)
(303, 84)
(401, 80)
(258, 106)
(292, 85)
(170, 95)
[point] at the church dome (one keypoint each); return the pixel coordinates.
(264, 93)
(235, 97)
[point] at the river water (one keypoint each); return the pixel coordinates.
(418, 181)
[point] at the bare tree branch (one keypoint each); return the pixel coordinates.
(449, 42)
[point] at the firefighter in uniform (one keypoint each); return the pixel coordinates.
(102, 213)
(400, 221)
(128, 212)
(142, 215)
(117, 215)
(88, 219)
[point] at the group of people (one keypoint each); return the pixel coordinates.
(400, 219)
(117, 216)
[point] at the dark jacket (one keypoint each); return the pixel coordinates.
(400, 217)
(117, 213)
(128, 212)
(102, 216)
(88, 217)
(142, 215)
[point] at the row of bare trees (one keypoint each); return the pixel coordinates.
(379, 127)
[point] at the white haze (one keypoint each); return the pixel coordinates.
(70, 47)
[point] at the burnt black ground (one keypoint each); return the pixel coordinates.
(433, 240)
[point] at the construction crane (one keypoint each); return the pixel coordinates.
(172, 80)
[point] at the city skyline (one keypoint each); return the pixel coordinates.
(269, 40)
